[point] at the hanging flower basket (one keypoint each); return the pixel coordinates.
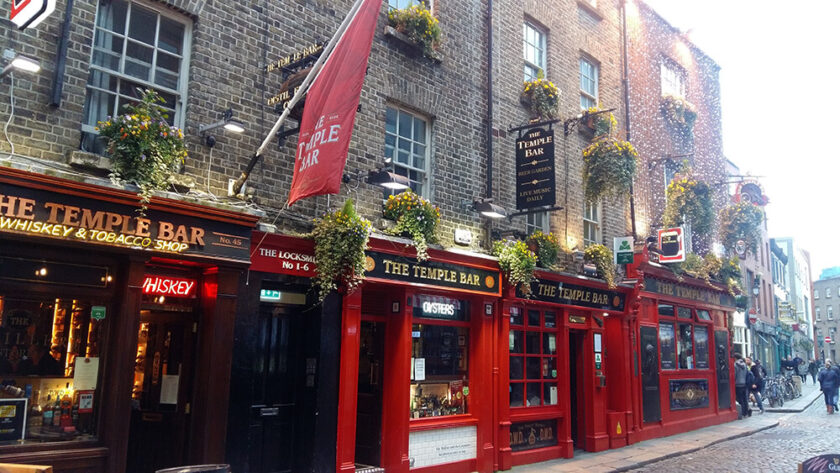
(143, 147)
(609, 166)
(541, 97)
(741, 221)
(679, 113)
(689, 200)
(545, 246)
(602, 258)
(419, 27)
(341, 238)
(594, 124)
(416, 218)
(517, 262)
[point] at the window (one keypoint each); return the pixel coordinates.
(536, 221)
(829, 313)
(684, 343)
(588, 84)
(534, 50)
(591, 223)
(704, 315)
(817, 313)
(701, 347)
(134, 47)
(400, 4)
(439, 357)
(827, 292)
(666, 346)
(533, 358)
(817, 295)
(672, 79)
(685, 346)
(666, 309)
(406, 144)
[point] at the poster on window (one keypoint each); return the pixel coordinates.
(701, 347)
(666, 346)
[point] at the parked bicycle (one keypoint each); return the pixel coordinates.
(773, 392)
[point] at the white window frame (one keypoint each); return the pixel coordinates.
(539, 49)
(817, 295)
(400, 4)
(426, 171)
(537, 221)
(829, 313)
(586, 95)
(817, 313)
(671, 79)
(179, 117)
(828, 293)
(596, 222)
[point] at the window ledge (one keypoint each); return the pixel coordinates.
(590, 9)
(102, 166)
(410, 46)
(442, 422)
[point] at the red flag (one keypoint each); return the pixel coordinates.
(330, 109)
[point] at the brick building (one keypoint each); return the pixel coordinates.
(825, 325)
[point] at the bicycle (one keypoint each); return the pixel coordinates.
(773, 392)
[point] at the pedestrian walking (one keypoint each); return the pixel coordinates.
(802, 369)
(836, 369)
(813, 368)
(828, 384)
(757, 384)
(741, 375)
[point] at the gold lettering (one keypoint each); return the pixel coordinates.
(53, 208)
(143, 228)
(92, 220)
(71, 216)
(166, 231)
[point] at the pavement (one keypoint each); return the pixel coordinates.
(656, 450)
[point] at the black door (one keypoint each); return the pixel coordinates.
(650, 375)
(369, 405)
(277, 375)
(722, 368)
(576, 387)
(162, 390)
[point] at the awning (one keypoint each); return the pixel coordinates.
(762, 338)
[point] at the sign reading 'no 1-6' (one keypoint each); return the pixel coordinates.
(535, 186)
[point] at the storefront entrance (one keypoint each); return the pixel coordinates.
(577, 388)
(369, 402)
(163, 376)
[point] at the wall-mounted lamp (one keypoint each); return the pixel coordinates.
(21, 63)
(227, 122)
(388, 180)
(487, 208)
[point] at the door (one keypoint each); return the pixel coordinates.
(577, 388)
(369, 404)
(273, 426)
(651, 408)
(162, 390)
(722, 368)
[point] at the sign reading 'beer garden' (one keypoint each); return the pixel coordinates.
(535, 186)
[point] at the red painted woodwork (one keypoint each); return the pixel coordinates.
(348, 382)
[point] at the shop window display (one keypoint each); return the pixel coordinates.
(533, 358)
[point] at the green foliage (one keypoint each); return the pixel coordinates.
(602, 123)
(541, 97)
(688, 199)
(712, 268)
(602, 258)
(679, 113)
(517, 262)
(609, 166)
(545, 246)
(143, 147)
(741, 221)
(419, 25)
(416, 217)
(341, 238)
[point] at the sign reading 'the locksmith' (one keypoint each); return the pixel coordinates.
(535, 186)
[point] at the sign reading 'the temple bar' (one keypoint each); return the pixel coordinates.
(384, 266)
(535, 186)
(572, 294)
(687, 292)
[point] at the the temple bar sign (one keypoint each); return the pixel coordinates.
(687, 292)
(535, 186)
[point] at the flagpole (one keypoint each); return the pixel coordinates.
(304, 86)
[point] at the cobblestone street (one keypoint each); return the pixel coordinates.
(798, 437)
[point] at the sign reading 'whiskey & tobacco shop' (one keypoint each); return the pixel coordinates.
(535, 186)
(384, 266)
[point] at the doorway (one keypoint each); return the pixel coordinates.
(160, 397)
(577, 388)
(369, 404)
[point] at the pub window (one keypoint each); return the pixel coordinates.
(704, 315)
(701, 347)
(407, 146)
(666, 309)
(591, 223)
(685, 347)
(534, 50)
(134, 46)
(50, 356)
(439, 364)
(667, 349)
(533, 358)
(588, 84)
(684, 313)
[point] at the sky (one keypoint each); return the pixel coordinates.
(780, 93)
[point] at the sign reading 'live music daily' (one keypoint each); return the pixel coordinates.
(535, 186)
(572, 294)
(385, 266)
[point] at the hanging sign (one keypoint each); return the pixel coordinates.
(386, 267)
(535, 186)
(573, 294)
(28, 13)
(274, 253)
(683, 291)
(623, 250)
(672, 245)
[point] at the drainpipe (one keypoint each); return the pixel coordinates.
(626, 81)
(489, 192)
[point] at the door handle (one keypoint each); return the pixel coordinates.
(269, 411)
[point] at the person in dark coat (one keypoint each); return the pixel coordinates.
(40, 363)
(741, 373)
(757, 384)
(813, 368)
(829, 381)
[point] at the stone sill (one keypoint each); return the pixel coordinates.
(101, 166)
(410, 46)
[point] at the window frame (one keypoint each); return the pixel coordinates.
(829, 312)
(540, 49)
(543, 332)
(817, 313)
(828, 293)
(587, 221)
(428, 4)
(676, 323)
(181, 94)
(533, 226)
(426, 184)
(672, 80)
(585, 94)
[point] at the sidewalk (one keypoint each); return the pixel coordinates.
(810, 393)
(649, 451)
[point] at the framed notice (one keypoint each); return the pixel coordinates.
(13, 418)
